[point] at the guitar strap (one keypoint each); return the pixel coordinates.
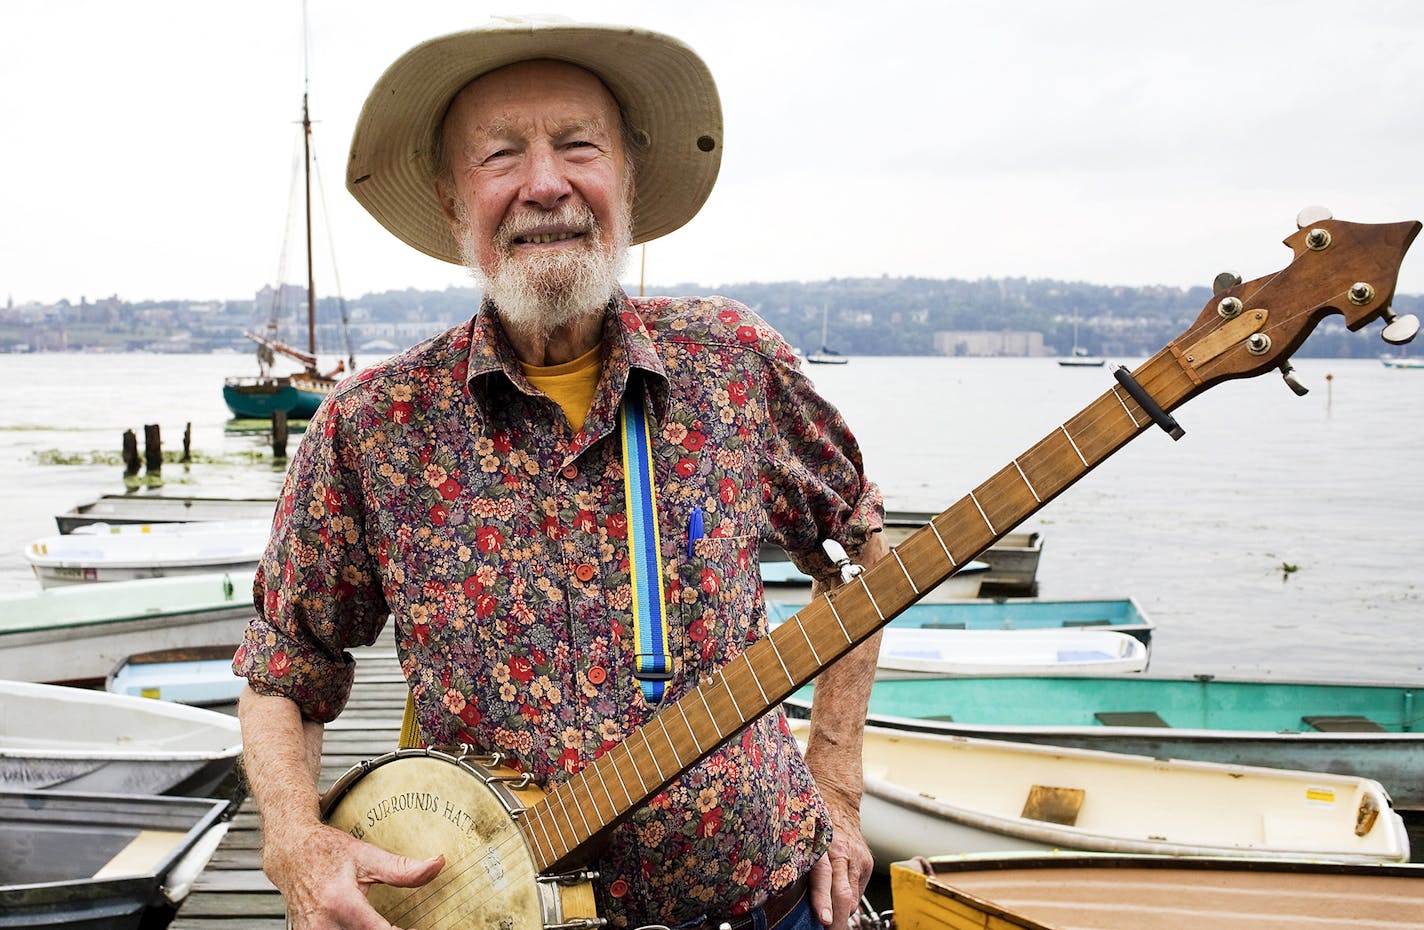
(650, 663)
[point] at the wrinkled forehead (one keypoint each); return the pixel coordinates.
(554, 90)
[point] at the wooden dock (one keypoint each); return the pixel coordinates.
(232, 893)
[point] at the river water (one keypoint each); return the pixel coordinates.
(1199, 532)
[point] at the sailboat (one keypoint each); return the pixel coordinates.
(826, 355)
(297, 395)
(1079, 357)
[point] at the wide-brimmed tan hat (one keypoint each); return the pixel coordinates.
(665, 90)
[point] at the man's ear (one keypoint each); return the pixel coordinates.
(445, 195)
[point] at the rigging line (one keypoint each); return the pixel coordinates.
(335, 273)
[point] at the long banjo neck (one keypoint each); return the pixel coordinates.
(1246, 329)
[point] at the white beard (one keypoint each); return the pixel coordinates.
(540, 293)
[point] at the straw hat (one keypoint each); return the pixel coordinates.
(665, 90)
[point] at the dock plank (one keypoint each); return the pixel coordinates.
(232, 892)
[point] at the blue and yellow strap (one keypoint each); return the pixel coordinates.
(650, 665)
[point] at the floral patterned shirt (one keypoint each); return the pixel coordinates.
(441, 489)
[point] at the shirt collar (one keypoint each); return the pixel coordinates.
(627, 343)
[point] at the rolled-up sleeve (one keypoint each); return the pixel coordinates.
(813, 478)
(315, 592)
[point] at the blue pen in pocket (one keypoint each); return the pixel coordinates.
(694, 529)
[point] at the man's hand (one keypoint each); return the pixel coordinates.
(838, 878)
(324, 876)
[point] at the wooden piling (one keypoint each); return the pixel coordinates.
(187, 443)
(152, 455)
(279, 434)
(132, 462)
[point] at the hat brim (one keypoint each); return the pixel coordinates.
(664, 88)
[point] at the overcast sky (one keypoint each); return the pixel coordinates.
(148, 146)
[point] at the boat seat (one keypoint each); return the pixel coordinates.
(1053, 805)
(1130, 718)
(1344, 723)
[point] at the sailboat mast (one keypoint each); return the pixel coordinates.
(311, 280)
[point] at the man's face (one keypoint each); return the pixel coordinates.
(540, 185)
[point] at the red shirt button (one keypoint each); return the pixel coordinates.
(570, 472)
(619, 888)
(584, 572)
(597, 675)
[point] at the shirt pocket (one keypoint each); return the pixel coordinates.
(718, 605)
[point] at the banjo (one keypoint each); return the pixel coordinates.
(517, 853)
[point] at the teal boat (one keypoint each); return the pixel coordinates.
(1369, 730)
(1029, 613)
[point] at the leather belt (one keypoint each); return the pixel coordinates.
(774, 910)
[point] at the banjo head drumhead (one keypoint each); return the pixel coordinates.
(422, 805)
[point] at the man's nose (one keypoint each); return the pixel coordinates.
(546, 182)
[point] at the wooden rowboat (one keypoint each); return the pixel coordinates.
(928, 794)
(1078, 891)
(75, 739)
(1010, 652)
(1373, 730)
(79, 633)
(117, 862)
(163, 508)
(1119, 614)
(128, 554)
(201, 676)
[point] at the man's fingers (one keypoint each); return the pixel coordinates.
(401, 871)
(821, 890)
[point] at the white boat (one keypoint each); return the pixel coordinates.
(79, 633)
(90, 861)
(200, 676)
(1011, 652)
(930, 795)
(74, 739)
(784, 580)
(161, 508)
(130, 553)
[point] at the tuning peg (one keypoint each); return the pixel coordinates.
(1224, 282)
(1399, 329)
(1309, 216)
(1288, 373)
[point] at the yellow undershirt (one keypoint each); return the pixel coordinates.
(570, 385)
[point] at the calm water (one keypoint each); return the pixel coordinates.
(1196, 531)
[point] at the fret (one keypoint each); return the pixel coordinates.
(671, 745)
(621, 783)
(868, 594)
(568, 789)
(831, 603)
(980, 508)
(1028, 484)
(637, 769)
(934, 529)
(1126, 409)
(727, 686)
(1074, 445)
(895, 551)
(643, 732)
(597, 770)
(690, 732)
(755, 680)
(802, 627)
(1052, 463)
(538, 811)
(771, 639)
(708, 708)
(557, 795)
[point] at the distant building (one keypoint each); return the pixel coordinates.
(989, 343)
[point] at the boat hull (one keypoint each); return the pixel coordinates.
(74, 739)
(101, 862)
(1084, 892)
(927, 794)
(129, 509)
(1235, 722)
(259, 398)
(80, 633)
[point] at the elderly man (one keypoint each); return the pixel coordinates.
(472, 490)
